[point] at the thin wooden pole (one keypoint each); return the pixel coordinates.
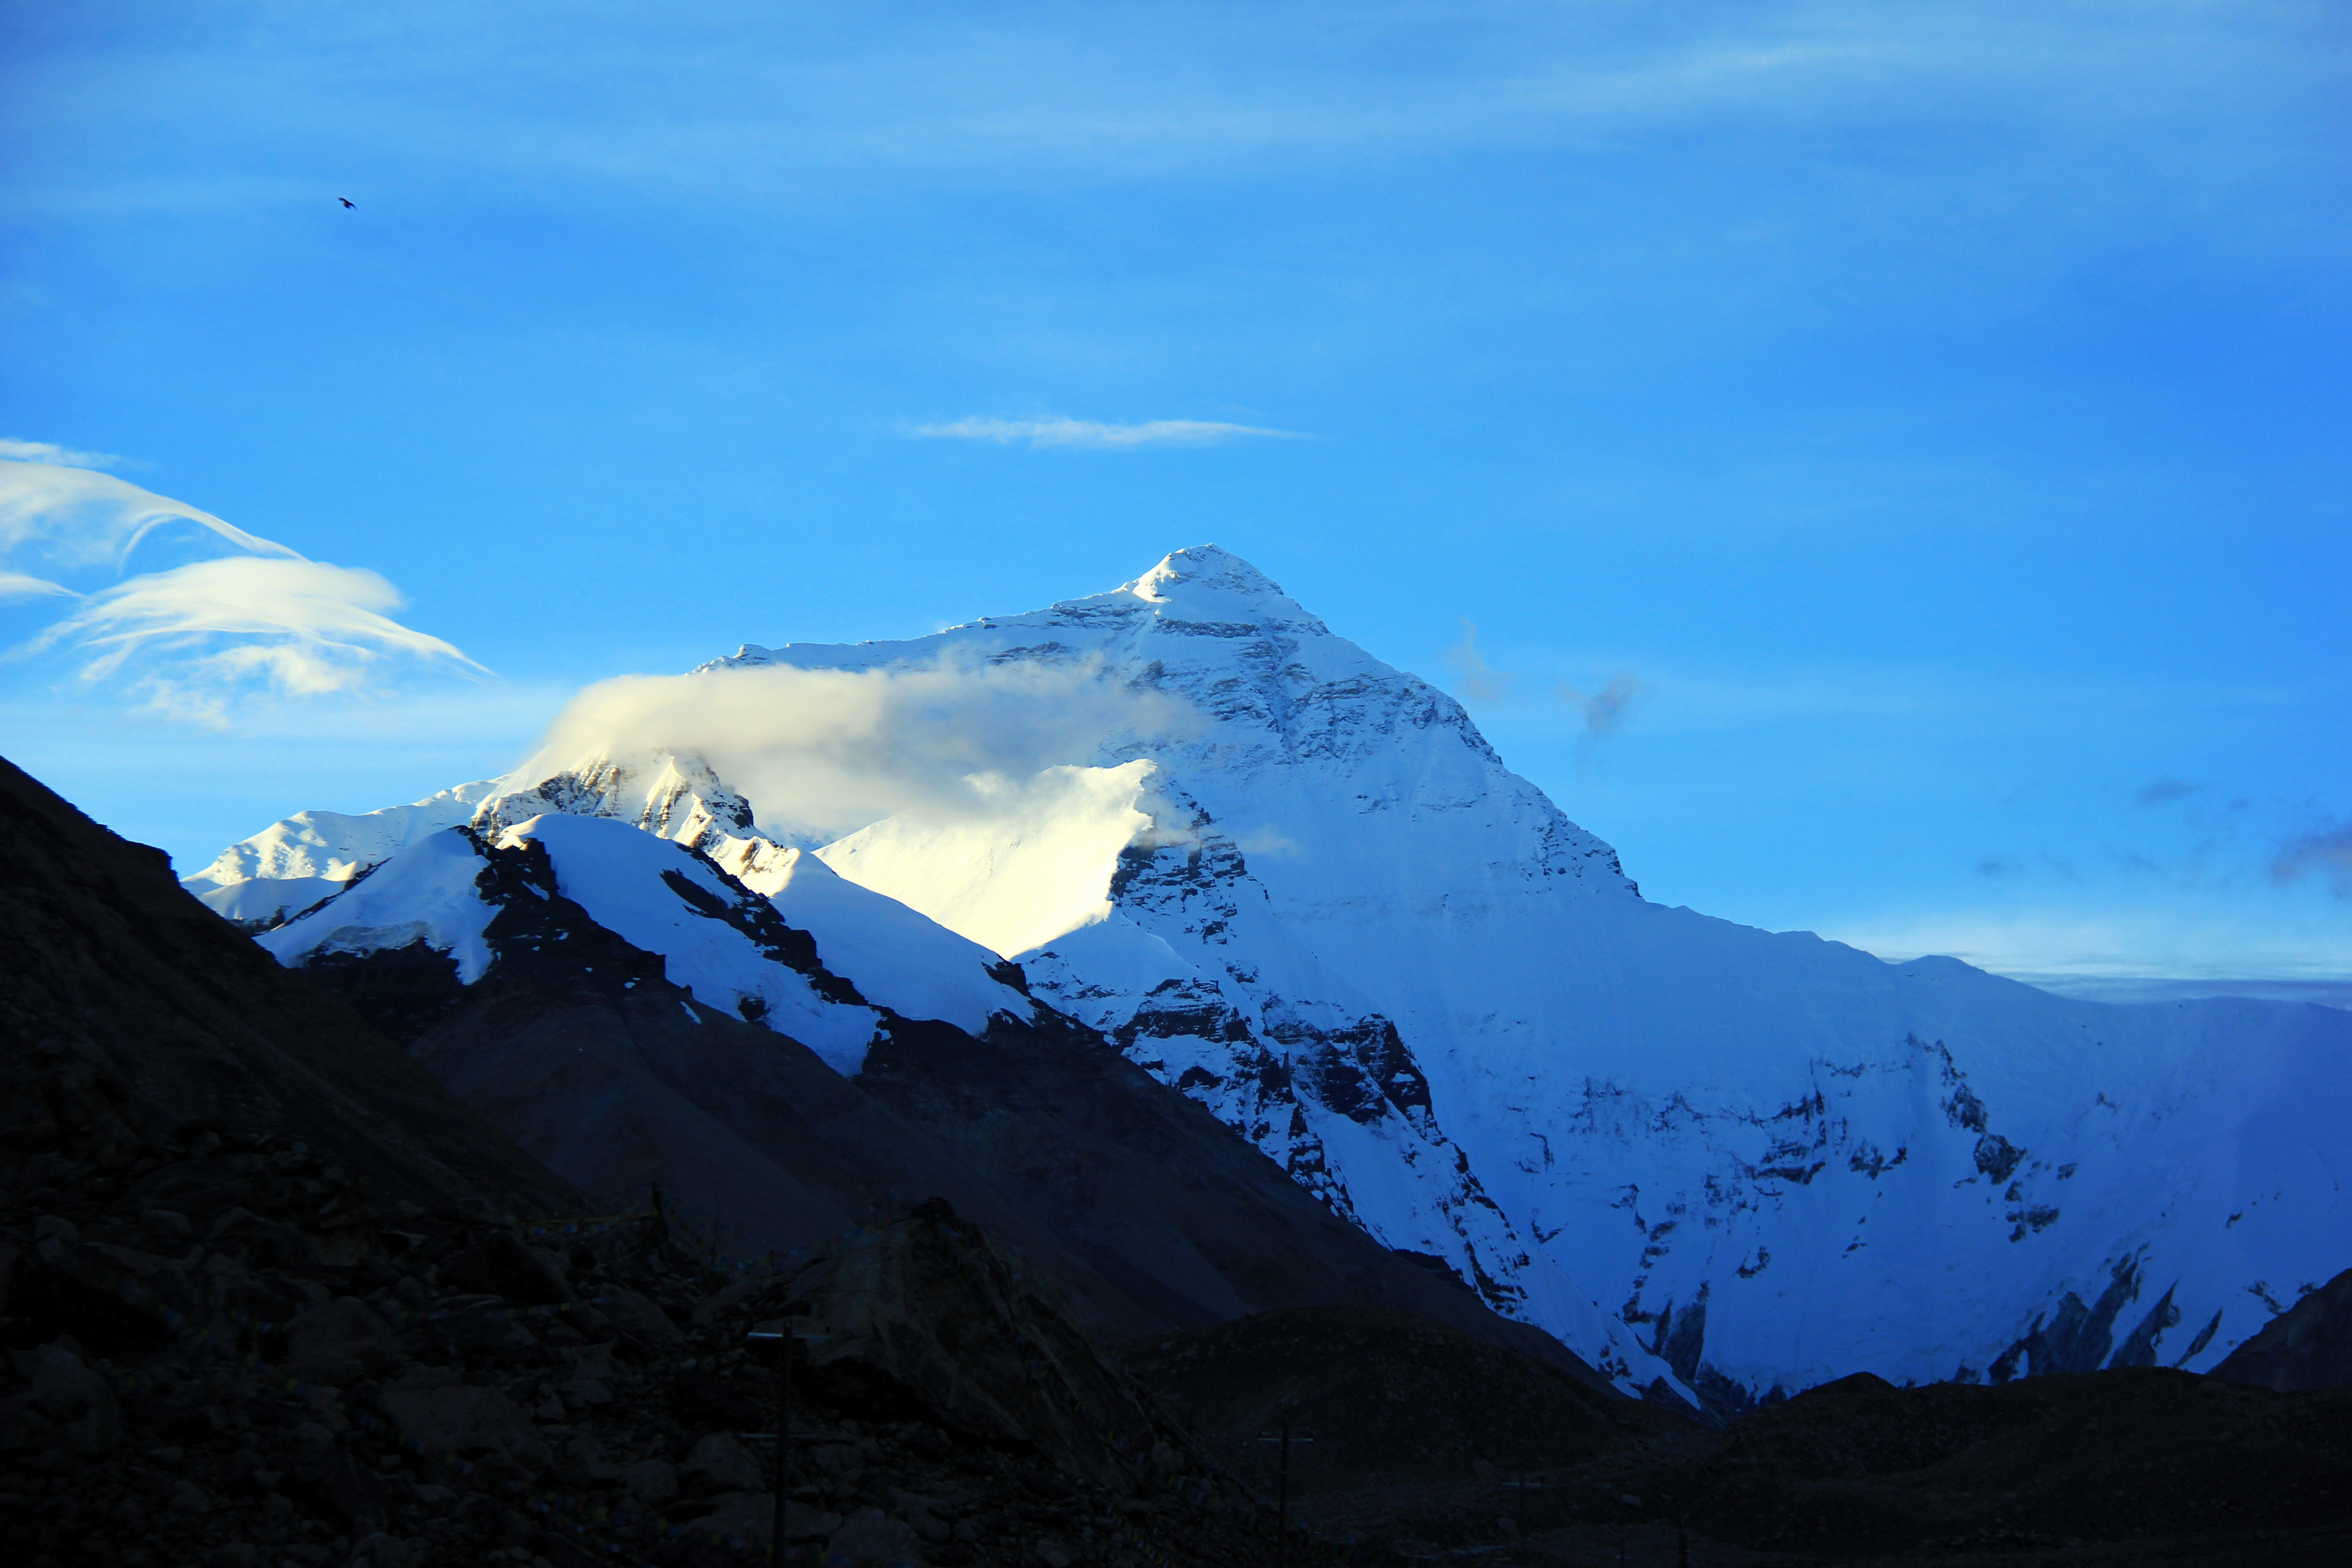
(1282, 1500)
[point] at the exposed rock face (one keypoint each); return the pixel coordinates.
(2309, 1345)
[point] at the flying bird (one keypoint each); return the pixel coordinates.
(347, 201)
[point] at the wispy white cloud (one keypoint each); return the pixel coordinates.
(69, 519)
(15, 451)
(254, 618)
(788, 100)
(15, 585)
(187, 638)
(1088, 433)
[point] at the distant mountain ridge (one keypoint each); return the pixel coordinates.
(1326, 911)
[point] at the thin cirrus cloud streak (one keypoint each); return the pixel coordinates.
(15, 585)
(17, 451)
(1127, 93)
(194, 639)
(1095, 436)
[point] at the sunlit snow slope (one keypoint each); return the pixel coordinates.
(291, 864)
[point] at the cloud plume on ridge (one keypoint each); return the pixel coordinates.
(1604, 711)
(821, 752)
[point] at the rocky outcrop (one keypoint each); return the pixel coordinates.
(2309, 1345)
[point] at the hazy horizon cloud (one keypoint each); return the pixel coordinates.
(1087, 432)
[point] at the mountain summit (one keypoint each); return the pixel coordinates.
(1301, 888)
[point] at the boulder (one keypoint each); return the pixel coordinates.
(77, 1399)
(638, 1318)
(471, 1423)
(586, 1376)
(498, 1263)
(869, 1534)
(651, 1481)
(261, 1242)
(720, 1463)
(328, 1343)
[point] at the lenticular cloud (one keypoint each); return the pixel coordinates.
(305, 628)
(247, 616)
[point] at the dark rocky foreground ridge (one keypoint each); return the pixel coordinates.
(272, 1296)
(1435, 1445)
(269, 1295)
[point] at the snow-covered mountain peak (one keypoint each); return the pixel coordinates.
(669, 795)
(1209, 584)
(1211, 567)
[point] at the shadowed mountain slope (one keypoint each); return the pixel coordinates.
(132, 1010)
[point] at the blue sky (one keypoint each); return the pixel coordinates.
(1931, 418)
